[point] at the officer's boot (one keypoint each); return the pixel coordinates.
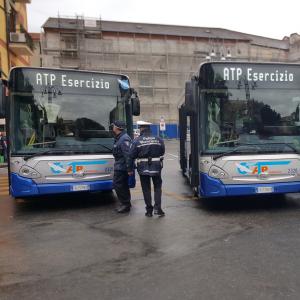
(159, 212)
(149, 211)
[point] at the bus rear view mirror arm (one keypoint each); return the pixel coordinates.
(190, 104)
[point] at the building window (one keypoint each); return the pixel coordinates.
(69, 41)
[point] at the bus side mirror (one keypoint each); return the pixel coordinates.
(2, 99)
(136, 107)
(190, 105)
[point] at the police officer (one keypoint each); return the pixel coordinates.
(121, 168)
(148, 151)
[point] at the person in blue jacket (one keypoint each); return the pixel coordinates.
(122, 169)
(148, 151)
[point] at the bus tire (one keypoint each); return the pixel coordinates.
(108, 192)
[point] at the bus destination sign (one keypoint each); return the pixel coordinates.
(233, 75)
(67, 80)
(251, 74)
(80, 82)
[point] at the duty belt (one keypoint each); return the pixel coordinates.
(138, 160)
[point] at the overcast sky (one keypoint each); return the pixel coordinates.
(269, 18)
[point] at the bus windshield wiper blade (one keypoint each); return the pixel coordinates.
(240, 145)
(290, 145)
(102, 145)
(235, 150)
(57, 151)
(106, 147)
(49, 151)
(83, 145)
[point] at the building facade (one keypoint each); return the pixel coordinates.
(157, 58)
(36, 58)
(15, 43)
(16, 46)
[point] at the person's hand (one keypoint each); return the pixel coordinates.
(130, 173)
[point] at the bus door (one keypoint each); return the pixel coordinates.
(192, 125)
(188, 147)
(183, 140)
(194, 152)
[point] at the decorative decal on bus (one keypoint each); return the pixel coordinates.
(260, 167)
(78, 166)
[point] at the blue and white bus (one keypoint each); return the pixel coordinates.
(240, 129)
(58, 128)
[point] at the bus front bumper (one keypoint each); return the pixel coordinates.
(24, 187)
(212, 187)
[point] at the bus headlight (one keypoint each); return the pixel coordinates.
(217, 172)
(28, 172)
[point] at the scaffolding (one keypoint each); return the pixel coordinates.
(73, 34)
(156, 68)
(158, 64)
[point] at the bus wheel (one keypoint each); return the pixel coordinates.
(108, 193)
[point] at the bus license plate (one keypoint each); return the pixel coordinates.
(264, 189)
(80, 187)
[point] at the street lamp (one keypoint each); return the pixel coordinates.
(212, 54)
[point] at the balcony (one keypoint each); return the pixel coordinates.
(21, 43)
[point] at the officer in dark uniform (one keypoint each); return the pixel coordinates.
(148, 150)
(121, 167)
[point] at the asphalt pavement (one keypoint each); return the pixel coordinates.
(77, 247)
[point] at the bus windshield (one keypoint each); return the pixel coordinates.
(76, 122)
(64, 111)
(252, 120)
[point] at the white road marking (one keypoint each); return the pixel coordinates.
(176, 156)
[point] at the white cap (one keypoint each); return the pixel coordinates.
(141, 123)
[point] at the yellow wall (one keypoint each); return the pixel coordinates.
(8, 58)
(22, 19)
(3, 45)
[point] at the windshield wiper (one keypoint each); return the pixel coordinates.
(67, 151)
(102, 145)
(240, 145)
(50, 151)
(235, 150)
(83, 145)
(290, 145)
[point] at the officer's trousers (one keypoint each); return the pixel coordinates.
(120, 184)
(146, 187)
